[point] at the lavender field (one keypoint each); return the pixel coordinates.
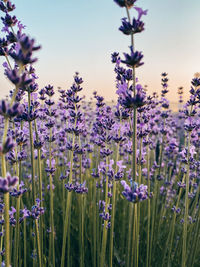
(87, 183)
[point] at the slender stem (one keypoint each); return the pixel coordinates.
(136, 222)
(184, 247)
(25, 263)
(69, 196)
(81, 222)
(113, 204)
(105, 230)
(94, 227)
(153, 218)
(132, 35)
(6, 202)
(51, 204)
(149, 208)
(169, 242)
(7, 230)
(128, 255)
(1, 245)
(65, 232)
(32, 150)
(195, 242)
(41, 197)
(6, 196)
(38, 243)
(16, 248)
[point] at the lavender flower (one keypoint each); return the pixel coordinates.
(134, 193)
(131, 28)
(134, 59)
(125, 3)
(7, 183)
(23, 55)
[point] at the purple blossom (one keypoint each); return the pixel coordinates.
(141, 12)
(133, 59)
(134, 193)
(131, 28)
(7, 183)
(125, 3)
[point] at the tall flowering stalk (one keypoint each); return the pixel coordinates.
(133, 97)
(102, 128)
(75, 119)
(189, 126)
(21, 52)
(111, 156)
(51, 166)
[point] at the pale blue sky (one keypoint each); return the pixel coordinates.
(81, 35)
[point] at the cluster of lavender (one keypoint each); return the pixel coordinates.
(132, 168)
(134, 193)
(6, 184)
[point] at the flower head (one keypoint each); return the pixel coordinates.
(131, 28)
(134, 193)
(125, 3)
(134, 59)
(6, 184)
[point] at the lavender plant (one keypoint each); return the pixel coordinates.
(84, 183)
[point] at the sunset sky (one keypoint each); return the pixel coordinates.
(81, 35)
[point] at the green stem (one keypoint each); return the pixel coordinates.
(105, 230)
(81, 222)
(6, 201)
(149, 208)
(1, 245)
(25, 264)
(184, 247)
(68, 206)
(38, 243)
(41, 197)
(195, 246)
(172, 229)
(51, 204)
(128, 255)
(16, 249)
(94, 228)
(7, 229)
(113, 206)
(32, 151)
(153, 218)
(136, 222)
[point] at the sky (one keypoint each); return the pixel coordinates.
(81, 35)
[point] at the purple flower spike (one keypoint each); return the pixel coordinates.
(134, 59)
(36, 211)
(7, 6)
(6, 184)
(125, 3)
(128, 28)
(2, 7)
(8, 145)
(12, 181)
(125, 185)
(23, 55)
(10, 112)
(10, 6)
(134, 193)
(69, 187)
(80, 188)
(9, 21)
